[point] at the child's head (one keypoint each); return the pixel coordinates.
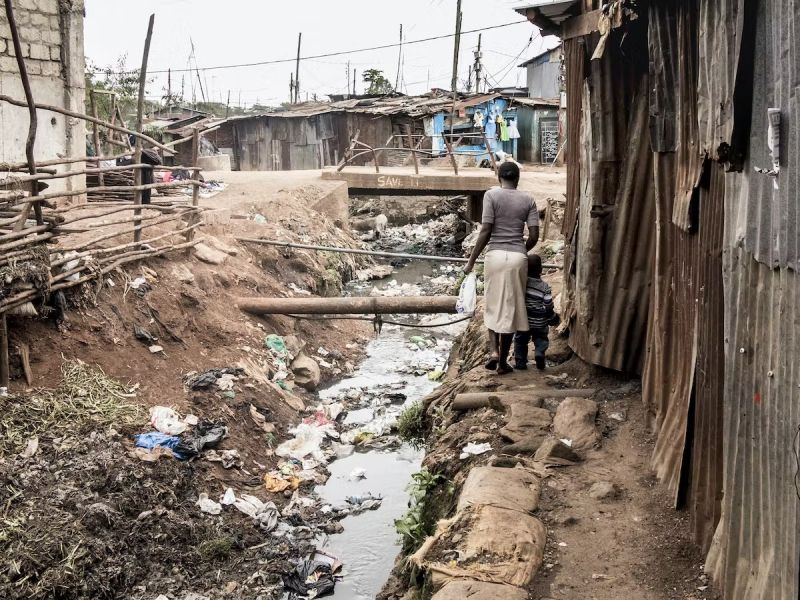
(534, 265)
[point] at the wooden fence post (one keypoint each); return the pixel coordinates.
(96, 137)
(412, 149)
(137, 174)
(195, 186)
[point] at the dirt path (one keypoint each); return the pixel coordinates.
(633, 545)
(624, 542)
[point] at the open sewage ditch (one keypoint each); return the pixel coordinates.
(85, 515)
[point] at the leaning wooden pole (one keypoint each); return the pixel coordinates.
(31, 140)
(348, 306)
(137, 197)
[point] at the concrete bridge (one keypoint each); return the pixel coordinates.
(403, 181)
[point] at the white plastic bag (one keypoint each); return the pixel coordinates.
(166, 420)
(468, 295)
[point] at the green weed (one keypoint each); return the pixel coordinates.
(411, 424)
(418, 522)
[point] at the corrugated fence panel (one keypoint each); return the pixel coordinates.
(614, 251)
(756, 551)
(683, 374)
(767, 220)
(719, 46)
(575, 57)
(704, 493)
(672, 363)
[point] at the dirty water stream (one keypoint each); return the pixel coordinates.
(369, 543)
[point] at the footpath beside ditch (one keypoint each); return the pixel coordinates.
(558, 503)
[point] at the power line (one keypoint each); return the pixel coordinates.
(315, 56)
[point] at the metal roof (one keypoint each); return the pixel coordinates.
(540, 55)
(536, 101)
(412, 106)
(548, 15)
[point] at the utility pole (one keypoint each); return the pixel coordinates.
(454, 80)
(239, 103)
(169, 93)
(354, 82)
(228, 105)
(456, 47)
(291, 88)
(347, 77)
(478, 66)
(297, 70)
(399, 54)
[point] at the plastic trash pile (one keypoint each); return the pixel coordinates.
(181, 437)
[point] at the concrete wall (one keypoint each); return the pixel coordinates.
(51, 33)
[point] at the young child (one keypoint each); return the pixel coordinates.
(541, 315)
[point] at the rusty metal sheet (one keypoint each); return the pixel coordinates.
(672, 35)
(704, 492)
(721, 28)
(765, 220)
(756, 549)
(575, 59)
(683, 376)
(613, 251)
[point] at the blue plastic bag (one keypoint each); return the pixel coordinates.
(156, 439)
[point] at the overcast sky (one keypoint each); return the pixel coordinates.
(228, 32)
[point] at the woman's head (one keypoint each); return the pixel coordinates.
(508, 173)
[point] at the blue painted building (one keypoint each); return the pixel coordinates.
(474, 118)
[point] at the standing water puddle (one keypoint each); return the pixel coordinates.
(399, 362)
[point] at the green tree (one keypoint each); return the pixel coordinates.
(116, 78)
(378, 84)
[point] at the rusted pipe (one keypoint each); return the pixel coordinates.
(348, 306)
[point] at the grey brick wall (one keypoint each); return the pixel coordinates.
(40, 32)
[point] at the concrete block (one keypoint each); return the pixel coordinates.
(40, 52)
(51, 69)
(55, 25)
(25, 6)
(47, 6)
(55, 53)
(30, 34)
(8, 64)
(40, 20)
(51, 36)
(34, 68)
(3, 46)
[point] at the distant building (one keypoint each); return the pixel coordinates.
(544, 74)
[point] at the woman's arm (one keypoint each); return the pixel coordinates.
(480, 244)
(533, 237)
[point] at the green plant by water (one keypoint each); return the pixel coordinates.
(418, 522)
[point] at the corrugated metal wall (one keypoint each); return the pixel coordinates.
(610, 259)
(683, 374)
(722, 377)
(757, 547)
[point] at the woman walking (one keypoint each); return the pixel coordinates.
(506, 212)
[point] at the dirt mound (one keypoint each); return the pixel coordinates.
(82, 517)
